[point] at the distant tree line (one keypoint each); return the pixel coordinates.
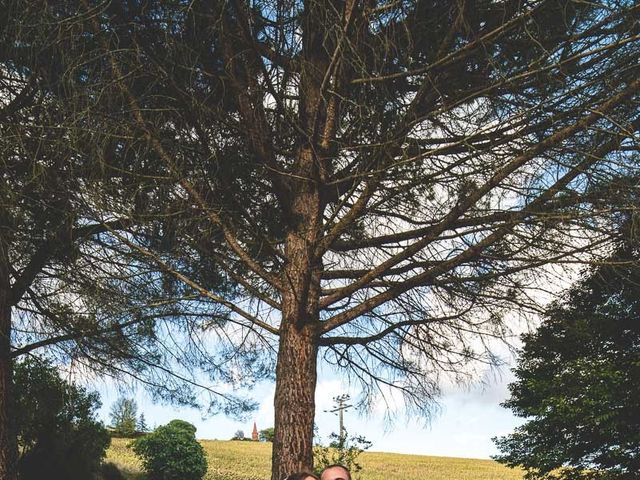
(125, 421)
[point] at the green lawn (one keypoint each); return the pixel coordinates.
(251, 461)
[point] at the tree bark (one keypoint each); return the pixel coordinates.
(294, 402)
(8, 442)
(299, 328)
(296, 372)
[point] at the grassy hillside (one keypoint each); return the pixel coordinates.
(251, 461)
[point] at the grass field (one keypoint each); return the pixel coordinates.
(251, 461)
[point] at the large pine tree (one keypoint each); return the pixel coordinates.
(376, 183)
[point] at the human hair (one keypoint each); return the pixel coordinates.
(302, 475)
(337, 465)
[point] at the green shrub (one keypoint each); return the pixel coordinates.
(172, 452)
(58, 435)
(342, 450)
(267, 434)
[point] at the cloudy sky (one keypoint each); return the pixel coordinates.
(467, 419)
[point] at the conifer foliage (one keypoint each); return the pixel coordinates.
(366, 184)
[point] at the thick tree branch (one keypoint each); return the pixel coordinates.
(61, 241)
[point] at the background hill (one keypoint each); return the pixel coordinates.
(229, 460)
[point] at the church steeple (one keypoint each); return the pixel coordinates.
(254, 434)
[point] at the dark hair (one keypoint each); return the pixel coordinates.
(337, 465)
(302, 476)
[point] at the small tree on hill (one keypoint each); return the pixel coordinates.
(171, 452)
(141, 426)
(124, 418)
(266, 435)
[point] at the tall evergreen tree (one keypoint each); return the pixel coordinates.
(377, 183)
(68, 289)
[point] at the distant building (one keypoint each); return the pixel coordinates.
(254, 434)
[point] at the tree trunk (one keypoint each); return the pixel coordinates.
(8, 443)
(299, 327)
(294, 402)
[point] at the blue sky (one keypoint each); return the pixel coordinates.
(467, 419)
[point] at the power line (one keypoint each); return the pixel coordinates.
(339, 409)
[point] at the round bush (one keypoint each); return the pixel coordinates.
(172, 452)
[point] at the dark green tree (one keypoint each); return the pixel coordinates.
(58, 434)
(266, 434)
(171, 452)
(578, 381)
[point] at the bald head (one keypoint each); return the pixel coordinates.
(335, 472)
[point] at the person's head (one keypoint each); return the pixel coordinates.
(335, 472)
(304, 475)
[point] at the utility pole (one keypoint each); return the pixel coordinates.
(341, 406)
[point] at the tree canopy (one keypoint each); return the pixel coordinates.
(124, 417)
(67, 289)
(171, 452)
(578, 381)
(373, 185)
(58, 433)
